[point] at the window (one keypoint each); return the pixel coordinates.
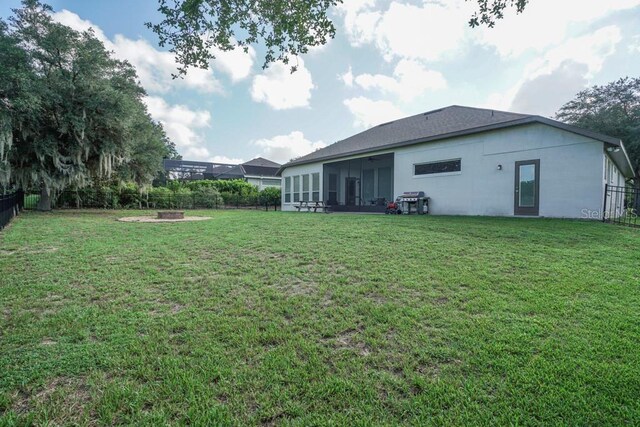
(315, 187)
(611, 169)
(445, 166)
(305, 188)
(287, 189)
(267, 181)
(527, 186)
(333, 189)
(296, 188)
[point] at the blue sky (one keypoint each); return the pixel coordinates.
(389, 59)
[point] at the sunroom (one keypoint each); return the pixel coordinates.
(362, 184)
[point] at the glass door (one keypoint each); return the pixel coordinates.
(527, 188)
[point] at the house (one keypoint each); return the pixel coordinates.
(260, 172)
(468, 161)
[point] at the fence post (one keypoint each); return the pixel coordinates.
(604, 207)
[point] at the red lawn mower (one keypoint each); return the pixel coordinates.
(393, 208)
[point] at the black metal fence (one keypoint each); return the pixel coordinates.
(621, 205)
(10, 206)
(96, 199)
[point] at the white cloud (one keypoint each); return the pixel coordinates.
(545, 23)
(347, 78)
(236, 63)
(553, 79)
(225, 159)
(196, 153)
(591, 50)
(545, 94)
(634, 45)
(359, 20)
(182, 124)
(368, 112)
(431, 31)
(410, 80)
(74, 21)
(155, 68)
(281, 89)
(436, 30)
(282, 148)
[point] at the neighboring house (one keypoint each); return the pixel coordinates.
(468, 161)
(260, 172)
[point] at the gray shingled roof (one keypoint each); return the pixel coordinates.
(430, 126)
(261, 167)
(261, 161)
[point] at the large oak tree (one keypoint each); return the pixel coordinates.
(70, 114)
(612, 109)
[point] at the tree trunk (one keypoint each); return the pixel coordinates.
(44, 203)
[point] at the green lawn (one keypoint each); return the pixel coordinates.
(286, 318)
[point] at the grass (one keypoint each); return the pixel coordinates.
(255, 318)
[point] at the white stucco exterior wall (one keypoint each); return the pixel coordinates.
(571, 174)
(299, 170)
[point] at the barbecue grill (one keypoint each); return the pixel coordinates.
(416, 199)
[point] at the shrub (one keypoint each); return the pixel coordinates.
(177, 194)
(130, 196)
(229, 198)
(159, 197)
(107, 197)
(235, 186)
(183, 199)
(270, 196)
(205, 183)
(207, 197)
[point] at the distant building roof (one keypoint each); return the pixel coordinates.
(261, 161)
(226, 172)
(261, 167)
(190, 166)
(210, 170)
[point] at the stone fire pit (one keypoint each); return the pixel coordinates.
(165, 216)
(171, 215)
